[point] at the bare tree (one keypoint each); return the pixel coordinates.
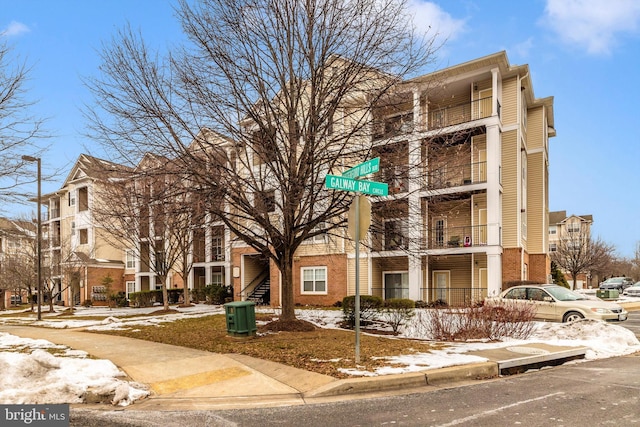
(576, 252)
(19, 130)
(283, 92)
(153, 211)
(18, 265)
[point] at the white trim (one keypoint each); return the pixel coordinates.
(314, 269)
(405, 291)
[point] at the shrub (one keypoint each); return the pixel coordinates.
(397, 311)
(145, 298)
(217, 294)
(369, 309)
(492, 321)
(119, 299)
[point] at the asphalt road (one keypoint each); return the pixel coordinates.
(633, 323)
(601, 392)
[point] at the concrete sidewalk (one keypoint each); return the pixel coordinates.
(185, 379)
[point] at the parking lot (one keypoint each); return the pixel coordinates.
(633, 323)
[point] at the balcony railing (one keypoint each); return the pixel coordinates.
(457, 237)
(402, 124)
(454, 297)
(461, 113)
(454, 176)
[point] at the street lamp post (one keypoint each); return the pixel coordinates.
(39, 236)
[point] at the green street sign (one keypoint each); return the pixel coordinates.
(372, 188)
(365, 168)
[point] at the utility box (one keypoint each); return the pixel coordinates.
(607, 293)
(241, 318)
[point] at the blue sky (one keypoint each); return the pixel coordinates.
(584, 53)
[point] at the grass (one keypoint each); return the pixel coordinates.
(320, 350)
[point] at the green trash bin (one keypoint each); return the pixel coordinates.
(241, 318)
(608, 293)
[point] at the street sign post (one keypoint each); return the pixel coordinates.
(362, 220)
(348, 182)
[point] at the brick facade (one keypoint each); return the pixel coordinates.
(539, 268)
(511, 265)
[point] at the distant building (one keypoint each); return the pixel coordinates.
(562, 227)
(17, 261)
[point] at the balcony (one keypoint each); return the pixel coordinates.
(457, 175)
(438, 117)
(457, 237)
(460, 113)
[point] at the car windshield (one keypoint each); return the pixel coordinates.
(564, 294)
(613, 281)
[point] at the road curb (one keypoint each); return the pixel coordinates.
(475, 371)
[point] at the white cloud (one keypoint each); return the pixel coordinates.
(522, 49)
(14, 29)
(593, 24)
(430, 17)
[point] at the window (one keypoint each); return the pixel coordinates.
(131, 288)
(396, 285)
(266, 201)
(217, 247)
(318, 238)
(72, 198)
(314, 280)
(517, 293)
(83, 199)
(84, 236)
(553, 247)
(573, 227)
(130, 259)
(73, 228)
(160, 262)
(217, 278)
(395, 236)
(264, 146)
(439, 232)
(553, 229)
(199, 249)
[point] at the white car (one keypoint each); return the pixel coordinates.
(633, 291)
(555, 303)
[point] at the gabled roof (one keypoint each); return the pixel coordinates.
(15, 227)
(559, 217)
(91, 167)
(151, 161)
(485, 64)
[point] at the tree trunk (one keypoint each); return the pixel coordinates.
(286, 269)
(186, 295)
(165, 294)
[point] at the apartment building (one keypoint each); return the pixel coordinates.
(17, 261)
(567, 230)
(465, 153)
(77, 253)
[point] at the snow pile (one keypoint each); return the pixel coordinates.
(36, 371)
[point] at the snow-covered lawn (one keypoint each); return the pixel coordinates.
(37, 371)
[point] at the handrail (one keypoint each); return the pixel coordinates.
(259, 278)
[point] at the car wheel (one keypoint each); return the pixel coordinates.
(572, 316)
